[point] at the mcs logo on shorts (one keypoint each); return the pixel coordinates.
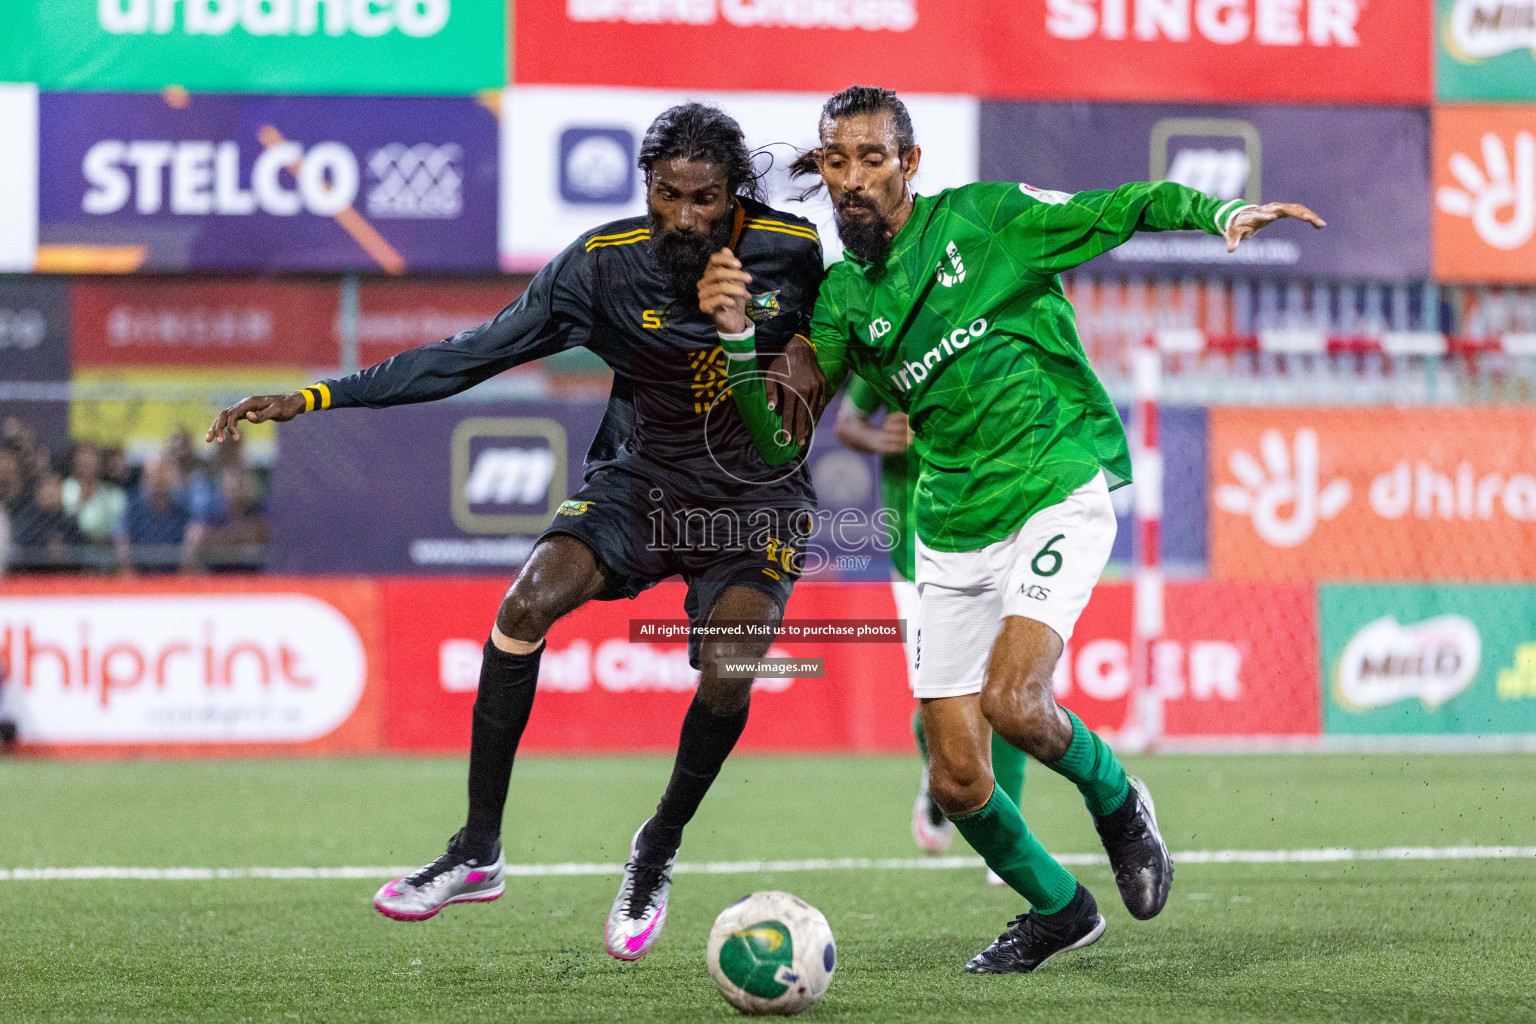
(508, 474)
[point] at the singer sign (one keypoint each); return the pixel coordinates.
(1191, 50)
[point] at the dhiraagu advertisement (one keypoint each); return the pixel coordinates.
(1428, 660)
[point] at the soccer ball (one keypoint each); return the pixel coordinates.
(771, 952)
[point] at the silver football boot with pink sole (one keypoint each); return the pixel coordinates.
(452, 878)
(640, 910)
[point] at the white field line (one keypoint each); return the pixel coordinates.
(1329, 855)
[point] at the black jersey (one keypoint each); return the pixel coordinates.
(666, 420)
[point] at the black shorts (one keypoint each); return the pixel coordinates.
(642, 532)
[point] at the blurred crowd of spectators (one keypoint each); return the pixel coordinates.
(87, 509)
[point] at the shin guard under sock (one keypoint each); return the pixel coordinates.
(502, 706)
(706, 740)
(999, 834)
(1094, 768)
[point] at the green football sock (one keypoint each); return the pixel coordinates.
(1094, 768)
(1008, 769)
(999, 834)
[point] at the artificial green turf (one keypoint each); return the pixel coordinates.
(1368, 941)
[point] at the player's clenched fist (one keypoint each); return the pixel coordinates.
(256, 409)
(723, 292)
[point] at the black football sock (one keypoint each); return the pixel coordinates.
(507, 683)
(706, 741)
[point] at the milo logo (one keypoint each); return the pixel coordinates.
(1386, 662)
(1478, 29)
(759, 959)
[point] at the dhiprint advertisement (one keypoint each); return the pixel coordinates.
(177, 182)
(188, 667)
(1485, 193)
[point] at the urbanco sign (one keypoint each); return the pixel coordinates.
(386, 47)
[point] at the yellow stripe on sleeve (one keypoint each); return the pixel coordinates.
(783, 228)
(309, 400)
(598, 241)
(325, 396)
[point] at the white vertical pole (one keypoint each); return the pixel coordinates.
(1144, 716)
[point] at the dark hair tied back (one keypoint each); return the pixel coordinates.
(697, 131)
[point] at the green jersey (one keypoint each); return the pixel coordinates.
(898, 474)
(965, 327)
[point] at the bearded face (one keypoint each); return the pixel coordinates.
(690, 207)
(682, 254)
(865, 231)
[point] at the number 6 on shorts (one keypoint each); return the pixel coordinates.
(1055, 557)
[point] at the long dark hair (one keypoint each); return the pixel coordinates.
(854, 101)
(697, 131)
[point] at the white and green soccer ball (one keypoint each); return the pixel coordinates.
(771, 952)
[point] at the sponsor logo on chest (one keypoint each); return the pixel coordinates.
(914, 371)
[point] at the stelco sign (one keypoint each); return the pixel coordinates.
(199, 178)
(254, 668)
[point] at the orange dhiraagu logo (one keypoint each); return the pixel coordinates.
(1485, 193)
(1373, 494)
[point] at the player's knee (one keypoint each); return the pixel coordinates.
(1023, 712)
(525, 615)
(959, 789)
(724, 696)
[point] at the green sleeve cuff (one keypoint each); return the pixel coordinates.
(739, 346)
(1225, 212)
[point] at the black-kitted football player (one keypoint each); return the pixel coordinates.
(674, 484)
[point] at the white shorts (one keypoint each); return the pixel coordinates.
(1044, 571)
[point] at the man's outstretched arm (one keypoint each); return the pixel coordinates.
(551, 316)
(1054, 232)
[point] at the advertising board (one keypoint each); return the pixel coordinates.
(194, 667)
(280, 46)
(568, 155)
(1429, 659)
(222, 182)
(1343, 162)
(1430, 494)
(1347, 51)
